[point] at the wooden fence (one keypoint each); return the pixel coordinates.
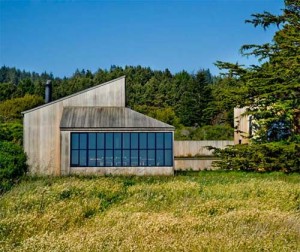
(193, 155)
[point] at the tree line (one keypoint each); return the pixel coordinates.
(189, 101)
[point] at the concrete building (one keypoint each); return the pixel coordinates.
(93, 131)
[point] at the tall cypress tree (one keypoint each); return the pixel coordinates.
(271, 91)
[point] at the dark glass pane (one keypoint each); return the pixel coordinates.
(100, 158)
(168, 158)
(151, 140)
(117, 158)
(143, 140)
(100, 140)
(143, 158)
(82, 158)
(134, 158)
(92, 158)
(75, 141)
(92, 140)
(109, 158)
(134, 141)
(117, 141)
(83, 141)
(278, 130)
(159, 140)
(151, 157)
(74, 161)
(168, 140)
(126, 158)
(126, 140)
(159, 157)
(109, 141)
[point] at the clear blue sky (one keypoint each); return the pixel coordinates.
(61, 36)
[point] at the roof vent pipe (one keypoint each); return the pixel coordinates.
(48, 91)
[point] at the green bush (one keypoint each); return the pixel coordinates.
(12, 131)
(273, 156)
(166, 115)
(12, 164)
(10, 110)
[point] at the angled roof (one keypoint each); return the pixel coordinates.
(109, 118)
(69, 96)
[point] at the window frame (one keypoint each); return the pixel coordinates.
(142, 150)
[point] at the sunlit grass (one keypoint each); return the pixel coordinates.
(206, 211)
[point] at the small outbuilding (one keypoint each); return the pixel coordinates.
(93, 131)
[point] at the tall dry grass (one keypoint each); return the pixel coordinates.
(206, 211)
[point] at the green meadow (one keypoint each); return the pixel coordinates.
(199, 211)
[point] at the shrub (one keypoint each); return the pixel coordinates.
(273, 156)
(11, 109)
(12, 131)
(12, 164)
(166, 115)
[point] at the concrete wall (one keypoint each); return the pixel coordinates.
(192, 155)
(41, 125)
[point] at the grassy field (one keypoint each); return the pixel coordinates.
(206, 211)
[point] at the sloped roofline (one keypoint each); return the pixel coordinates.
(72, 95)
(107, 120)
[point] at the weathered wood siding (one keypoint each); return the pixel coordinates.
(41, 125)
(193, 155)
(197, 148)
(193, 164)
(65, 152)
(241, 124)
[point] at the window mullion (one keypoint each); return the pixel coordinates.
(104, 145)
(147, 148)
(138, 142)
(79, 146)
(164, 148)
(96, 154)
(130, 149)
(155, 148)
(86, 150)
(121, 149)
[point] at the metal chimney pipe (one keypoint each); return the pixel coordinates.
(48, 91)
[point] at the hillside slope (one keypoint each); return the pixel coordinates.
(210, 211)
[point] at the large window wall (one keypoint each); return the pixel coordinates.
(120, 149)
